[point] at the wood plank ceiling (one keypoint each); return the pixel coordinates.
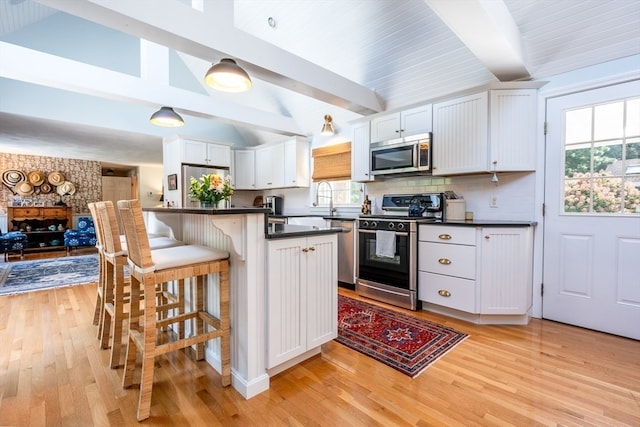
(342, 57)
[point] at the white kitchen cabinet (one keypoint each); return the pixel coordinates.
(447, 267)
(205, 153)
(270, 166)
(244, 174)
(360, 158)
(283, 165)
(404, 124)
(506, 278)
(302, 296)
(485, 272)
(296, 163)
(484, 132)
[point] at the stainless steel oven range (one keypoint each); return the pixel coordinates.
(387, 246)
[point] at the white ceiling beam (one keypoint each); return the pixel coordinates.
(487, 28)
(210, 35)
(27, 65)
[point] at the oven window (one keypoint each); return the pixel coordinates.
(391, 271)
(392, 158)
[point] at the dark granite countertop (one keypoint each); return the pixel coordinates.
(285, 231)
(487, 223)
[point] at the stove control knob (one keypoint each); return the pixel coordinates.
(364, 224)
(391, 226)
(401, 226)
(374, 224)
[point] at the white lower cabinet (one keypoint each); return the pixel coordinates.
(302, 296)
(482, 274)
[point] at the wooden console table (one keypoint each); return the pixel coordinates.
(40, 218)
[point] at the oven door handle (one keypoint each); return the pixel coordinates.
(398, 233)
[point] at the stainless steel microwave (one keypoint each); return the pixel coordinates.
(402, 155)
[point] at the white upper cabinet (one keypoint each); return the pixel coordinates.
(282, 165)
(296, 163)
(403, 124)
(205, 153)
(486, 131)
(270, 166)
(360, 159)
(244, 174)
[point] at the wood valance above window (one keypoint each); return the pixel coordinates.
(332, 162)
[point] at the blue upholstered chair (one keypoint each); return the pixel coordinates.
(13, 241)
(84, 235)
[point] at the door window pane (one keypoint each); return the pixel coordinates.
(602, 158)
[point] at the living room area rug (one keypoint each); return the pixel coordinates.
(23, 276)
(405, 343)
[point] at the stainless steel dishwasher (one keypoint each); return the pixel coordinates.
(346, 253)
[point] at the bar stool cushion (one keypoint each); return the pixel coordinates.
(183, 255)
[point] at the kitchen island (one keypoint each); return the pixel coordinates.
(244, 233)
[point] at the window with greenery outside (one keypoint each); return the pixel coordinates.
(602, 158)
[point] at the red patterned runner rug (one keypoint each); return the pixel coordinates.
(403, 342)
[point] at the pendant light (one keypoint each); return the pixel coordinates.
(327, 127)
(166, 117)
(228, 76)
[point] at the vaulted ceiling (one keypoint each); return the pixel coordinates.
(81, 78)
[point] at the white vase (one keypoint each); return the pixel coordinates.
(223, 204)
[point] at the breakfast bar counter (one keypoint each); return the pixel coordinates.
(243, 232)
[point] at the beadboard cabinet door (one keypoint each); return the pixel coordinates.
(485, 132)
(302, 296)
(506, 277)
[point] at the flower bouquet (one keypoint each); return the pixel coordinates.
(211, 188)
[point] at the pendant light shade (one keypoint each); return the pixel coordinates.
(228, 76)
(166, 117)
(327, 127)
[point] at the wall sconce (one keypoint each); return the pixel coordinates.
(166, 117)
(228, 76)
(327, 127)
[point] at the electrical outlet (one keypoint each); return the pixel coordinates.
(493, 202)
(150, 194)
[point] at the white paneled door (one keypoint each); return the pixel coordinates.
(592, 218)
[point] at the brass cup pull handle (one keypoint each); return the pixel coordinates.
(305, 250)
(312, 248)
(444, 261)
(444, 293)
(444, 236)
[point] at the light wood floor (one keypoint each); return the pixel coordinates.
(52, 373)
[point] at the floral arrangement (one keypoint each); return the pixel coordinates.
(211, 188)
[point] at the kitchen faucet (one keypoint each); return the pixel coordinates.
(331, 209)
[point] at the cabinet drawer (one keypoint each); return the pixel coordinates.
(447, 291)
(444, 234)
(56, 213)
(20, 213)
(452, 260)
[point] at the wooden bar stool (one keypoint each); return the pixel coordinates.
(148, 269)
(114, 295)
(98, 311)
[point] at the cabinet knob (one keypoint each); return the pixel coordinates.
(487, 237)
(444, 261)
(445, 237)
(444, 293)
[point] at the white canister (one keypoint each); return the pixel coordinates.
(455, 209)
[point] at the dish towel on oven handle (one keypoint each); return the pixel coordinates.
(385, 243)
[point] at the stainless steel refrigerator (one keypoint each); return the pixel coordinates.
(189, 171)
